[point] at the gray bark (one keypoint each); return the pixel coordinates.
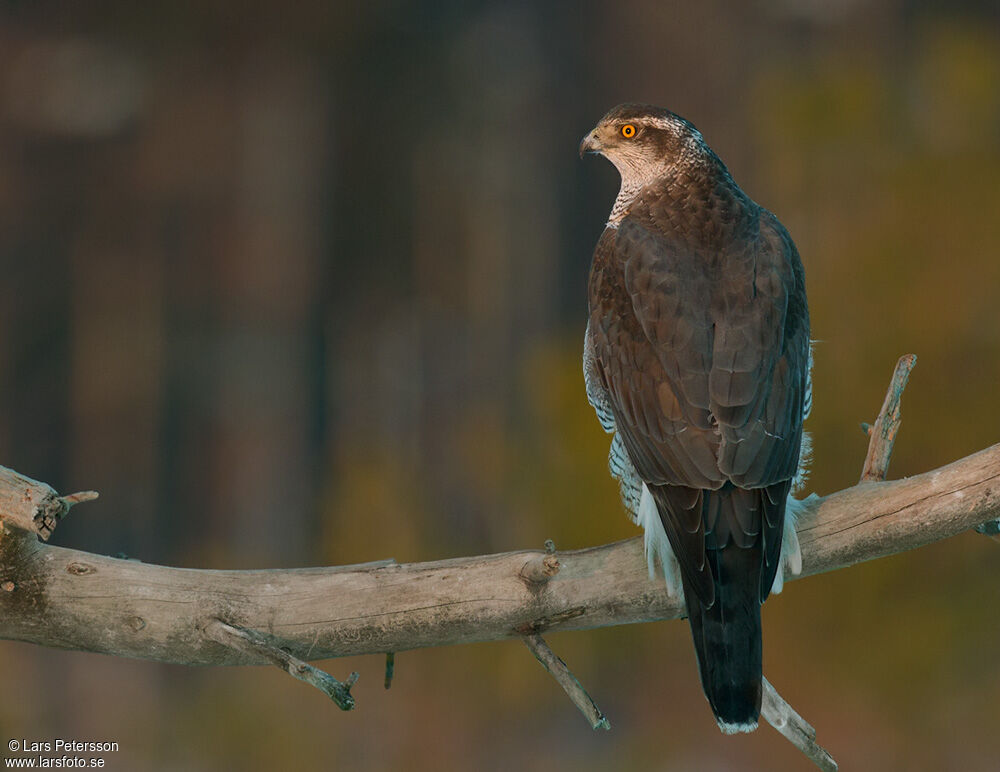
(76, 600)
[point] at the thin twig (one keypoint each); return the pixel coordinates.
(79, 497)
(56, 508)
(255, 643)
(390, 668)
(883, 432)
(796, 729)
(558, 670)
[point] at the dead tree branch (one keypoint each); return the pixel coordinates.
(558, 670)
(70, 599)
(796, 729)
(882, 434)
(79, 600)
(883, 431)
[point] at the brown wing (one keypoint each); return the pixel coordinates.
(670, 442)
(703, 354)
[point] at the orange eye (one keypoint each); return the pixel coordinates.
(628, 131)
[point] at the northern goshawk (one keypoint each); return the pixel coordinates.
(697, 359)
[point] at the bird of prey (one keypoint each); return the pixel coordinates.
(697, 358)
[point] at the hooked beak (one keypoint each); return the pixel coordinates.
(590, 143)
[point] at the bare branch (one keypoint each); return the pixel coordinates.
(79, 600)
(256, 644)
(796, 729)
(883, 431)
(558, 670)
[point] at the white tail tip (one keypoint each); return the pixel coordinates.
(728, 728)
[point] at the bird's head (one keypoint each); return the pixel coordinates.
(644, 141)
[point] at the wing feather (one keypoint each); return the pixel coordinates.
(701, 358)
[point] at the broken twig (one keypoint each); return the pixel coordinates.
(558, 670)
(796, 729)
(254, 643)
(79, 498)
(882, 433)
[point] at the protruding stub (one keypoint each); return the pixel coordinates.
(882, 434)
(79, 497)
(540, 568)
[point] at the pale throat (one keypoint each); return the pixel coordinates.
(635, 177)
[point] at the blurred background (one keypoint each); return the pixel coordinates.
(304, 283)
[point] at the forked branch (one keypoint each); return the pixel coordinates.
(882, 438)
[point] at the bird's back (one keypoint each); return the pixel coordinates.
(697, 356)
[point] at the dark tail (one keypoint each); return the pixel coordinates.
(738, 530)
(727, 638)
